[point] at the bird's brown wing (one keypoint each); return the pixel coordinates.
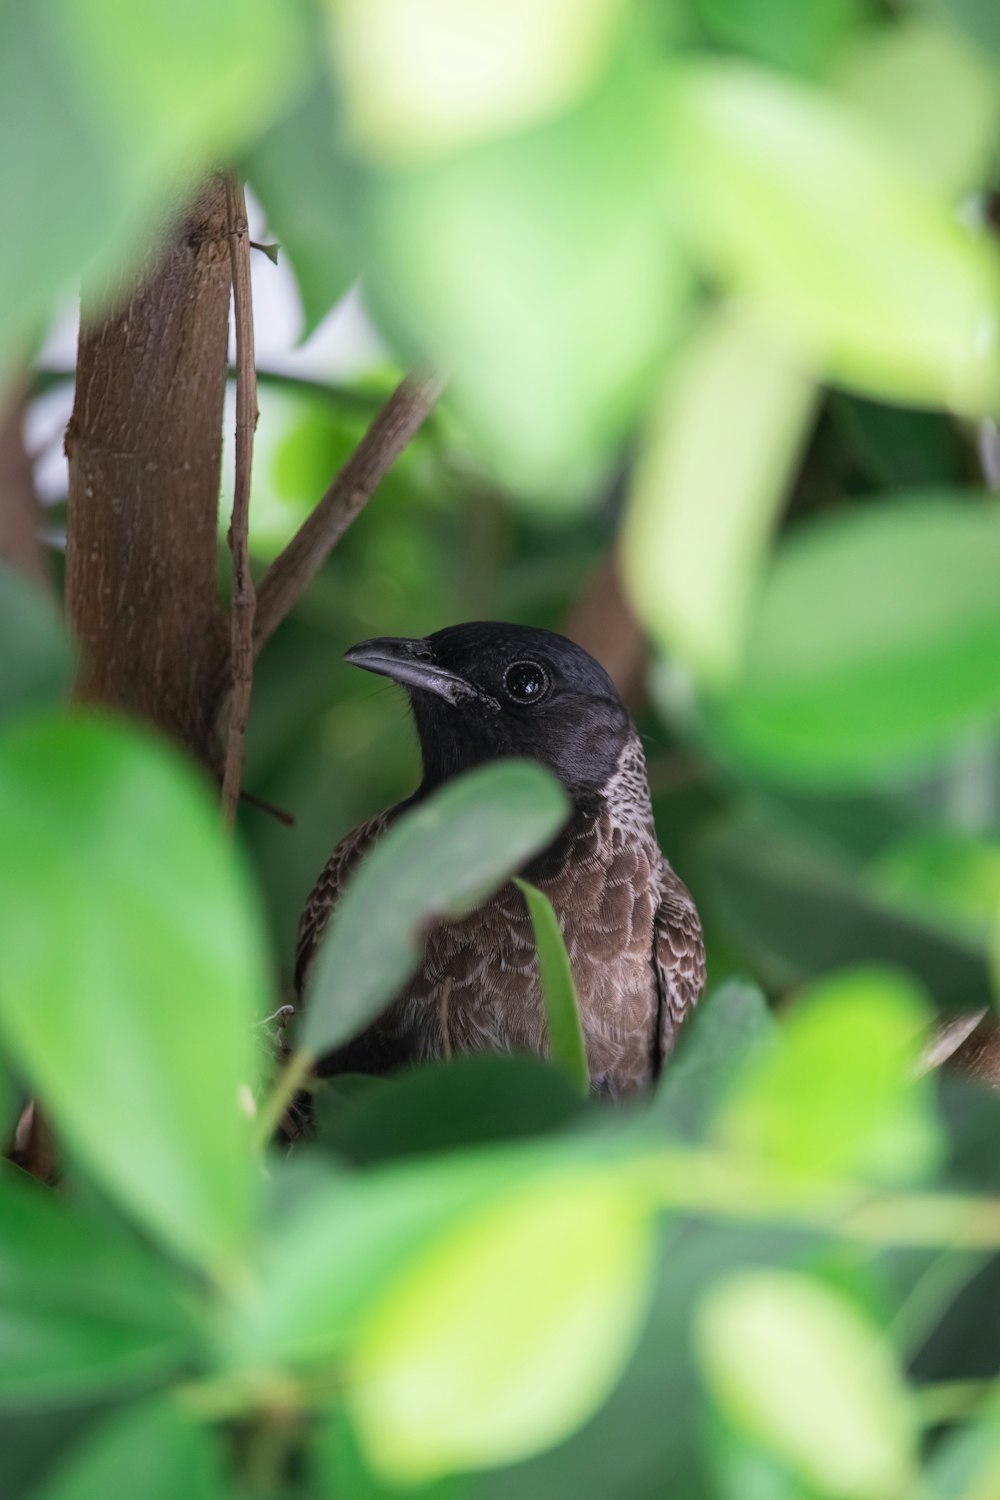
(679, 956)
(327, 891)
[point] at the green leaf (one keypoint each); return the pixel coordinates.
(131, 1010)
(421, 81)
(837, 1094)
(799, 1368)
(540, 272)
(798, 908)
(437, 861)
(946, 876)
(444, 1377)
(785, 32)
(37, 663)
(793, 198)
(83, 1308)
(702, 510)
(979, 19)
(303, 187)
(111, 115)
(891, 71)
(562, 1013)
(875, 643)
(471, 1100)
(173, 1454)
(728, 1026)
(898, 447)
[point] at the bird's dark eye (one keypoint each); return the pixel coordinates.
(526, 682)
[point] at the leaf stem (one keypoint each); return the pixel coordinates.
(291, 1078)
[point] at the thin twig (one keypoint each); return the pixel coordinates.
(288, 577)
(243, 605)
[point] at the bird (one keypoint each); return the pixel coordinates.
(481, 692)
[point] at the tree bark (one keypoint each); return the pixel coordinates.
(145, 450)
(20, 544)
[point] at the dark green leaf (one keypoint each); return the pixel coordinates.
(900, 447)
(156, 1447)
(437, 861)
(727, 1027)
(36, 662)
(134, 1015)
(980, 19)
(875, 642)
(305, 191)
(562, 1012)
(468, 1101)
(797, 909)
(800, 37)
(83, 1309)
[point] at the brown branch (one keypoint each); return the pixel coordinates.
(243, 606)
(20, 544)
(288, 577)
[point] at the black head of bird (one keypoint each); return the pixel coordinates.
(488, 691)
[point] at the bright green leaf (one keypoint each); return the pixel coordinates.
(949, 877)
(562, 1013)
(506, 1335)
(799, 1368)
(703, 504)
(440, 75)
(83, 1309)
(837, 1094)
(875, 642)
(794, 198)
(155, 1449)
(892, 71)
(37, 662)
(539, 272)
(132, 973)
(439, 860)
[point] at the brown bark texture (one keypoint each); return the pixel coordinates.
(145, 450)
(20, 544)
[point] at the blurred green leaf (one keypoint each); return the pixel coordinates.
(793, 198)
(785, 32)
(799, 1368)
(540, 272)
(300, 182)
(837, 1095)
(875, 642)
(562, 1015)
(948, 877)
(892, 71)
(438, 860)
(798, 907)
(979, 19)
(136, 1025)
(156, 1445)
(727, 1027)
(708, 488)
(83, 1309)
(471, 1100)
(898, 447)
(340, 1469)
(433, 78)
(37, 661)
(109, 116)
(506, 1334)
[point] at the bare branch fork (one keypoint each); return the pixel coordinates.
(288, 577)
(243, 605)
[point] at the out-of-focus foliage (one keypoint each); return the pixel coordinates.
(715, 278)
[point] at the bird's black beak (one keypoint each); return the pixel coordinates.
(412, 664)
